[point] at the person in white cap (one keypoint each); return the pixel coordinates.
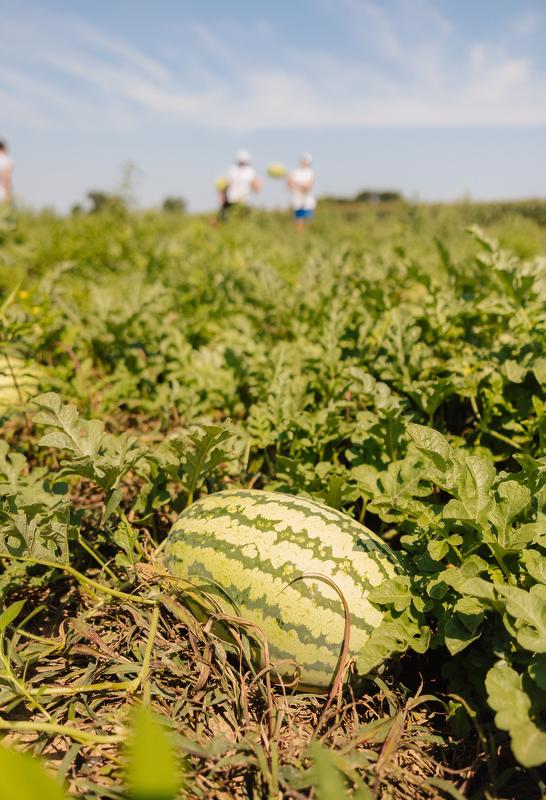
(300, 183)
(241, 182)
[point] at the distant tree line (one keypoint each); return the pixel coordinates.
(366, 196)
(174, 205)
(99, 201)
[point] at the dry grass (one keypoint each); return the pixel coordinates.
(241, 737)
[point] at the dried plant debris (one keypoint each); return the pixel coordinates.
(238, 737)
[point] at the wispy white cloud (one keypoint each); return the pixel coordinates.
(409, 71)
(529, 22)
(105, 43)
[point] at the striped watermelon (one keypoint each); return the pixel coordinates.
(245, 547)
(276, 170)
(18, 382)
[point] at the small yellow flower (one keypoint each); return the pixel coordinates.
(35, 309)
(23, 294)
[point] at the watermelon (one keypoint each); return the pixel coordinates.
(276, 170)
(221, 184)
(245, 547)
(18, 382)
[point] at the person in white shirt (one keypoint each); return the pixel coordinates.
(6, 169)
(300, 183)
(241, 182)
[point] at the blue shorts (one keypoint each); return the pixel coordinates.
(303, 213)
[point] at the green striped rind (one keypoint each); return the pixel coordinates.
(18, 382)
(253, 543)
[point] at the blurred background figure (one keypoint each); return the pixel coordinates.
(6, 169)
(241, 181)
(300, 183)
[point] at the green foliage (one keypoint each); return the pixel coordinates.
(515, 713)
(154, 770)
(398, 375)
(377, 196)
(105, 202)
(327, 780)
(24, 778)
(34, 511)
(174, 205)
(478, 562)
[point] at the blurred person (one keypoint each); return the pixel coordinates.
(300, 183)
(241, 181)
(6, 170)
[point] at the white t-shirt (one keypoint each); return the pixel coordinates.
(301, 198)
(240, 178)
(6, 165)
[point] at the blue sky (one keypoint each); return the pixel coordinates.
(438, 98)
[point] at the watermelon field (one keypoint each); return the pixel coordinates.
(367, 400)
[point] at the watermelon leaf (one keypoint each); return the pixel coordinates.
(203, 456)
(154, 771)
(515, 714)
(24, 778)
(34, 537)
(326, 778)
(94, 454)
(10, 613)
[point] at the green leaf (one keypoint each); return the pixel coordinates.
(471, 609)
(528, 533)
(333, 495)
(24, 778)
(430, 395)
(534, 470)
(66, 430)
(539, 368)
(10, 613)
(535, 564)
(126, 537)
(38, 538)
(98, 456)
(433, 443)
(478, 588)
(528, 744)
(514, 372)
(394, 489)
(438, 548)
(204, 455)
(506, 696)
(154, 771)
(326, 778)
(460, 631)
(488, 243)
(537, 670)
(512, 497)
(392, 636)
(12, 466)
(392, 591)
(111, 505)
(474, 500)
(529, 611)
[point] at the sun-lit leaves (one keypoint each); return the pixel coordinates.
(24, 778)
(154, 770)
(399, 379)
(37, 538)
(529, 612)
(93, 454)
(515, 714)
(201, 455)
(327, 780)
